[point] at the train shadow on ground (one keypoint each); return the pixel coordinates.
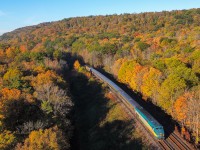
(90, 109)
(160, 115)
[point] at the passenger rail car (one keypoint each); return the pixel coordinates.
(149, 122)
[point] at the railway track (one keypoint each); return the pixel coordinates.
(165, 145)
(179, 142)
(173, 142)
(137, 124)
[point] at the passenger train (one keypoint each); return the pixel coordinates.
(149, 122)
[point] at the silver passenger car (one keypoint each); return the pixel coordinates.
(148, 120)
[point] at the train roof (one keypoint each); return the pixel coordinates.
(117, 88)
(152, 122)
(130, 100)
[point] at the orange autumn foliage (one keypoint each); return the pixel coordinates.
(88, 75)
(10, 94)
(181, 107)
(110, 96)
(7, 95)
(134, 77)
(2, 54)
(51, 139)
(77, 65)
(46, 78)
(10, 52)
(23, 48)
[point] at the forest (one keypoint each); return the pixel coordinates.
(156, 54)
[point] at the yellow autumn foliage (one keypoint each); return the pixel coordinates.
(48, 139)
(46, 78)
(150, 82)
(77, 65)
(6, 139)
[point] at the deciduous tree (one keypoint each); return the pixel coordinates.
(48, 139)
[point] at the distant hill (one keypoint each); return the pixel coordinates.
(157, 54)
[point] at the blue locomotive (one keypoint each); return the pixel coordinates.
(149, 122)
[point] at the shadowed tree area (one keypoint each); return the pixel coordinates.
(155, 55)
(100, 122)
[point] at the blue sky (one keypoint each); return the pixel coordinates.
(20, 13)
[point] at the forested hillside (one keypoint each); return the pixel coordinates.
(35, 102)
(155, 54)
(100, 120)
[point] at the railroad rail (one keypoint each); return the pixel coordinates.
(172, 142)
